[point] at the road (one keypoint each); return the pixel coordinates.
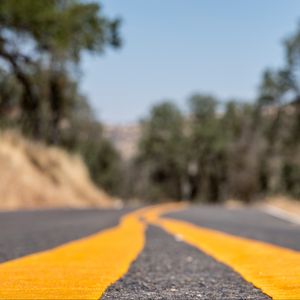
(168, 252)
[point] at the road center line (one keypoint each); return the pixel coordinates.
(275, 270)
(81, 269)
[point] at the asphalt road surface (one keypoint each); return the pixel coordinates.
(26, 232)
(167, 267)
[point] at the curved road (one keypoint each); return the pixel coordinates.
(166, 267)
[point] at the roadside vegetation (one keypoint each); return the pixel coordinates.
(214, 150)
(36, 176)
(41, 47)
(230, 149)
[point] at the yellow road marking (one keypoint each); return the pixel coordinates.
(81, 269)
(149, 215)
(275, 270)
(84, 269)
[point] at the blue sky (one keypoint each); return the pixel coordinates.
(173, 48)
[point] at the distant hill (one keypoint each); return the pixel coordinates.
(124, 138)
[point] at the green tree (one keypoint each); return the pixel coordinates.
(243, 148)
(50, 35)
(162, 151)
(9, 96)
(206, 144)
(41, 45)
(280, 100)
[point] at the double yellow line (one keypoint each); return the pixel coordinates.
(84, 269)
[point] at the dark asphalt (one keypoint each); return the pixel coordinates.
(26, 232)
(250, 223)
(168, 269)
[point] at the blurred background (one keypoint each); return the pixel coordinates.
(106, 103)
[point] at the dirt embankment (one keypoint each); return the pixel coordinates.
(34, 176)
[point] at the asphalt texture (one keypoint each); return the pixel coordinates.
(26, 232)
(166, 268)
(250, 223)
(170, 269)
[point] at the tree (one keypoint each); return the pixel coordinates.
(243, 148)
(279, 97)
(207, 153)
(162, 151)
(9, 96)
(53, 35)
(41, 45)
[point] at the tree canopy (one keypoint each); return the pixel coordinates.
(40, 43)
(41, 47)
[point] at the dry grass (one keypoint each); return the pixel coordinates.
(289, 205)
(35, 176)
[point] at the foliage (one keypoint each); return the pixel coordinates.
(218, 150)
(41, 45)
(53, 35)
(162, 150)
(237, 150)
(195, 157)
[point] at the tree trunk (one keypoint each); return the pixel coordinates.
(31, 122)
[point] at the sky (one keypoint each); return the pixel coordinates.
(174, 48)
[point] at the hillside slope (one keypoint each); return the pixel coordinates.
(35, 176)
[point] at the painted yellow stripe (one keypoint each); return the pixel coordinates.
(78, 270)
(275, 270)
